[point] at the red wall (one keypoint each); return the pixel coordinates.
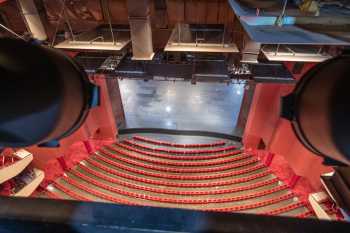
(265, 124)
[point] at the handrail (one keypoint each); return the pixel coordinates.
(180, 132)
(44, 215)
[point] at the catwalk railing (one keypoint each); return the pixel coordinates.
(41, 215)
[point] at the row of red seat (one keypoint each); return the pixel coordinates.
(178, 157)
(96, 193)
(175, 184)
(306, 214)
(7, 188)
(144, 196)
(331, 209)
(53, 195)
(164, 143)
(292, 207)
(255, 205)
(7, 160)
(286, 208)
(184, 152)
(175, 169)
(179, 177)
(70, 192)
(177, 163)
(175, 192)
(227, 209)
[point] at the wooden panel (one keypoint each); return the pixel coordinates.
(176, 11)
(118, 11)
(159, 16)
(212, 11)
(201, 11)
(83, 15)
(12, 16)
(238, 34)
(95, 9)
(195, 11)
(191, 11)
(160, 37)
(88, 10)
(230, 15)
(222, 11)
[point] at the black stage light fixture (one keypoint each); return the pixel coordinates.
(319, 109)
(45, 95)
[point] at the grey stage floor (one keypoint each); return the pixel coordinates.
(181, 105)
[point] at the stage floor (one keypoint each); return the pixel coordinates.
(181, 105)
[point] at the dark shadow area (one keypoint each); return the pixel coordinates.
(34, 215)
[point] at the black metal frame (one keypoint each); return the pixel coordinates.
(192, 67)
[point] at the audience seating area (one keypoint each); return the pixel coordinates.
(217, 176)
(13, 164)
(17, 176)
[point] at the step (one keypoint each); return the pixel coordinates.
(178, 151)
(146, 187)
(177, 196)
(175, 176)
(137, 179)
(165, 177)
(106, 195)
(55, 193)
(177, 156)
(171, 167)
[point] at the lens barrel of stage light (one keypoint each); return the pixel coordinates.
(320, 112)
(45, 95)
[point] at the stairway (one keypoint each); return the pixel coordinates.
(213, 176)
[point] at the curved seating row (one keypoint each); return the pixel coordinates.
(175, 200)
(222, 181)
(175, 184)
(236, 208)
(175, 169)
(178, 157)
(175, 163)
(113, 180)
(178, 177)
